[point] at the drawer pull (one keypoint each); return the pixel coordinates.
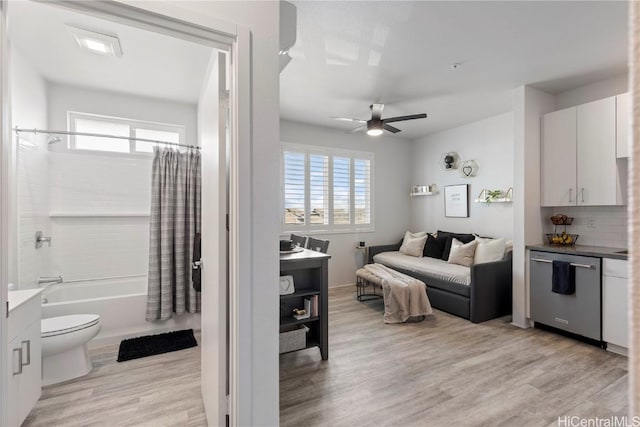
(19, 351)
(548, 261)
(28, 343)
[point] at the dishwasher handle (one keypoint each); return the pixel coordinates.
(548, 261)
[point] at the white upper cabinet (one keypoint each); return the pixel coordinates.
(559, 158)
(596, 164)
(578, 156)
(623, 126)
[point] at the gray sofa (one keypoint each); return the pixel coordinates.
(487, 296)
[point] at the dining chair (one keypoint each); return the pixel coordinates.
(317, 245)
(300, 241)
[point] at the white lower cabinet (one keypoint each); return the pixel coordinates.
(24, 360)
(615, 309)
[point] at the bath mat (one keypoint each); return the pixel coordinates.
(150, 345)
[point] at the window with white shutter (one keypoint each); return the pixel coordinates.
(326, 190)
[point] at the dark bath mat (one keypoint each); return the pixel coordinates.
(135, 348)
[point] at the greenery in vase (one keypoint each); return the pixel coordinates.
(492, 195)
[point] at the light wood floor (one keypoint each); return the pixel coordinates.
(445, 371)
(441, 372)
(161, 390)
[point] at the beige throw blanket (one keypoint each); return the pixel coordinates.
(404, 296)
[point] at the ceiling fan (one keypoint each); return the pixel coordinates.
(377, 124)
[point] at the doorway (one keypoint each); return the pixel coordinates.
(221, 45)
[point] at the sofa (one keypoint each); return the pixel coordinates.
(478, 293)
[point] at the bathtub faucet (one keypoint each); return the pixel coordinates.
(44, 280)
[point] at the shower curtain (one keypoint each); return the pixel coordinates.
(174, 222)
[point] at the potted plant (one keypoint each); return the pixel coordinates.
(492, 195)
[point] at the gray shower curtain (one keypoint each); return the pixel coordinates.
(175, 219)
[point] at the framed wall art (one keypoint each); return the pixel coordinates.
(456, 201)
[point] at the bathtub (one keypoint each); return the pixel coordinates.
(120, 303)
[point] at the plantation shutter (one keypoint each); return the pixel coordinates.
(362, 190)
(294, 168)
(318, 189)
(341, 190)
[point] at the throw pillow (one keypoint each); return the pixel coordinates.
(412, 245)
(434, 248)
(462, 253)
(464, 238)
(489, 251)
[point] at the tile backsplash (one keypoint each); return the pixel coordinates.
(596, 225)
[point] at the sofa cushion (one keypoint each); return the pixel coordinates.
(413, 244)
(489, 250)
(462, 253)
(426, 266)
(464, 238)
(435, 246)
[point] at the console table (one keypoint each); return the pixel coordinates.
(310, 271)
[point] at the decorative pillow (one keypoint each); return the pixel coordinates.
(413, 245)
(508, 246)
(435, 246)
(464, 238)
(489, 250)
(462, 253)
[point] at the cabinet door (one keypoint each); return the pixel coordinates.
(558, 158)
(622, 125)
(13, 381)
(596, 147)
(31, 378)
(615, 285)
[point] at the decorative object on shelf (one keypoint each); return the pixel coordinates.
(286, 285)
(495, 196)
(423, 190)
(456, 201)
(469, 169)
(300, 314)
(450, 161)
(564, 238)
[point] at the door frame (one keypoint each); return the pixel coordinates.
(171, 20)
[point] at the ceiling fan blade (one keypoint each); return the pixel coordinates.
(358, 129)
(403, 118)
(376, 111)
(391, 129)
(346, 119)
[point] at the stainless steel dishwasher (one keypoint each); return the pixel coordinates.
(578, 313)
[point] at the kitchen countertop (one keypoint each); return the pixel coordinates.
(585, 250)
(17, 298)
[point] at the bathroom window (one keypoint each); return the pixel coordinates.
(130, 130)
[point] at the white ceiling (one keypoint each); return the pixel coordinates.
(351, 54)
(152, 64)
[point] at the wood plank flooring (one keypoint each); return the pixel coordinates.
(161, 390)
(445, 371)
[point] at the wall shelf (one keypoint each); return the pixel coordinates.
(507, 197)
(423, 190)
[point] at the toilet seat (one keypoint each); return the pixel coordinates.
(61, 325)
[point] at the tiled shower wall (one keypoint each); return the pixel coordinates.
(29, 110)
(597, 226)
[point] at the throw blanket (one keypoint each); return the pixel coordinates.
(404, 296)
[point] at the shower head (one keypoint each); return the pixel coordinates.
(52, 139)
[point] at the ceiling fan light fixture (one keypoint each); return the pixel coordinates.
(374, 127)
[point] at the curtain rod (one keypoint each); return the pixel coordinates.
(63, 132)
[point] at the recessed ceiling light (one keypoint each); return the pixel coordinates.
(103, 44)
(456, 65)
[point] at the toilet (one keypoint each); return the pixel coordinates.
(64, 346)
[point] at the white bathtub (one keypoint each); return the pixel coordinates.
(121, 304)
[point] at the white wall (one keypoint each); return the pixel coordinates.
(601, 89)
(528, 218)
(64, 98)
(490, 143)
(391, 182)
(258, 329)
(29, 110)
